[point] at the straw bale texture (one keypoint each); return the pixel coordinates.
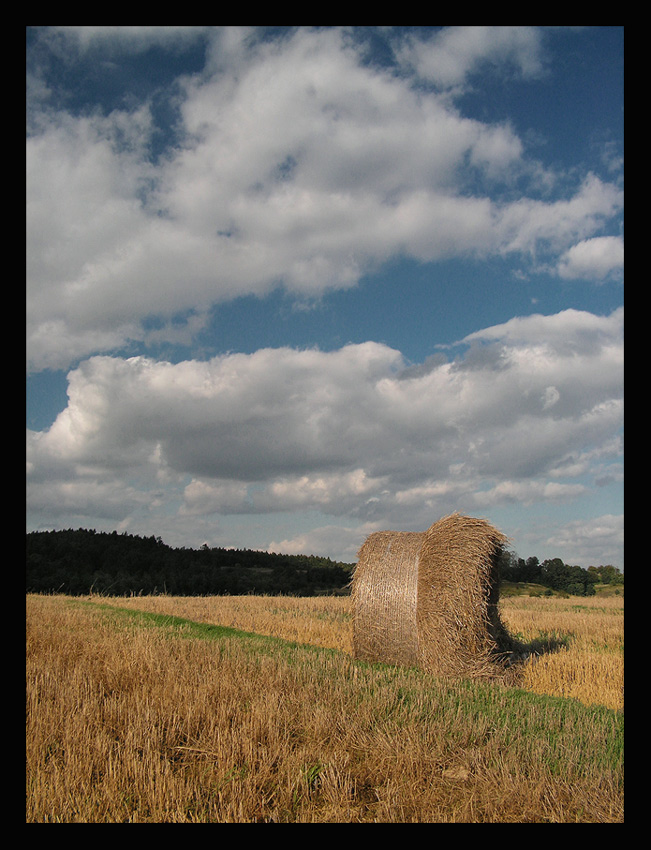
(429, 599)
(384, 596)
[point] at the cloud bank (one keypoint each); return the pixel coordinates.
(527, 412)
(291, 162)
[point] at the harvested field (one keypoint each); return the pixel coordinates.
(154, 718)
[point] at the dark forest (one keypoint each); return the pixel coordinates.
(82, 561)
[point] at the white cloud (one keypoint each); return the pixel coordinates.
(350, 433)
(595, 258)
(201, 497)
(527, 493)
(528, 224)
(343, 540)
(457, 52)
(591, 541)
(566, 332)
(298, 165)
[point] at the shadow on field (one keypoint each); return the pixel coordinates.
(528, 652)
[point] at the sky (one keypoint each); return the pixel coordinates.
(288, 286)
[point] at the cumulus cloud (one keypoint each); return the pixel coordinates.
(458, 52)
(351, 433)
(569, 331)
(595, 258)
(294, 163)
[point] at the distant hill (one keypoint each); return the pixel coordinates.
(82, 561)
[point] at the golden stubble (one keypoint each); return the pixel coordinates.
(587, 662)
(585, 635)
(128, 724)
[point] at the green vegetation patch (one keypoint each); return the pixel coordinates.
(181, 627)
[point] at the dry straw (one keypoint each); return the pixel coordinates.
(429, 599)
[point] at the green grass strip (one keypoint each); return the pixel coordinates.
(181, 627)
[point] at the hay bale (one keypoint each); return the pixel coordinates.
(429, 599)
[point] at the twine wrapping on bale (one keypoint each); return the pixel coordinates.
(384, 592)
(429, 599)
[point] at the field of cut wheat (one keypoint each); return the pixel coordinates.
(251, 710)
(577, 642)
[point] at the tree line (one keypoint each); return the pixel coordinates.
(556, 575)
(81, 561)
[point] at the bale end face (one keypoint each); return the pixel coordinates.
(384, 592)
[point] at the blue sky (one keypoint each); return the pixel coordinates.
(290, 286)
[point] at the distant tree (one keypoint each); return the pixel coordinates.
(607, 574)
(532, 569)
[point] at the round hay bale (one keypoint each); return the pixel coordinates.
(429, 599)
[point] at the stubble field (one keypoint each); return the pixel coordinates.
(251, 710)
